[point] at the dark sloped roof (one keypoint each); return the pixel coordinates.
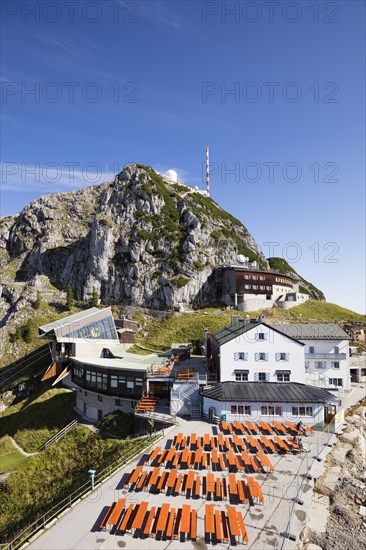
(234, 330)
(315, 331)
(267, 392)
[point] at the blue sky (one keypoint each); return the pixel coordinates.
(150, 82)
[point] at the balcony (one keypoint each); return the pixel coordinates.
(331, 356)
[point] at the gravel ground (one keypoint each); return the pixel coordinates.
(346, 527)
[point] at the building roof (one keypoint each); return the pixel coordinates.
(267, 392)
(241, 326)
(70, 319)
(315, 331)
(122, 360)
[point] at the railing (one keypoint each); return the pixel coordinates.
(325, 355)
(160, 417)
(59, 434)
(75, 496)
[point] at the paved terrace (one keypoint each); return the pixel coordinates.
(79, 528)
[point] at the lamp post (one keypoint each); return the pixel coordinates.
(91, 475)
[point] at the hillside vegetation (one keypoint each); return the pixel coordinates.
(190, 326)
(33, 421)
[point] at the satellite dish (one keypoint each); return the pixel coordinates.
(240, 258)
(172, 175)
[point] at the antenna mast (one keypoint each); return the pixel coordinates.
(207, 172)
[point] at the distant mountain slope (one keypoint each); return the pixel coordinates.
(279, 264)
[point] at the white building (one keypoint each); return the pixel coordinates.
(253, 351)
(255, 401)
(327, 362)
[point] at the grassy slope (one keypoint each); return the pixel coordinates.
(190, 326)
(10, 458)
(34, 420)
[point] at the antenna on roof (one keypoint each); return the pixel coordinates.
(207, 172)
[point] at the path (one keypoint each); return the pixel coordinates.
(20, 449)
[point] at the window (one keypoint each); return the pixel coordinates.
(255, 287)
(335, 364)
(241, 376)
(262, 278)
(320, 365)
(240, 356)
(271, 410)
(240, 409)
(247, 287)
(262, 287)
(282, 356)
(233, 409)
(118, 402)
(244, 409)
(268, 288)
(261, 336)
(261, 356)
(254, 277)
(130, 385)
(283, 377)
(246, 277)
(311, 349)
(262, 376)
(336, 349)
(336, 381)
(302, 411)
(100, 398)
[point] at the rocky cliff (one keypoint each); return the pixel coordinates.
(138, 240)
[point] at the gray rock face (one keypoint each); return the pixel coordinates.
(138, 240)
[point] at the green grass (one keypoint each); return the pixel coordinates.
(324, 311)
(118, 424)
(33, 421)
(46, 478)
(10, 458)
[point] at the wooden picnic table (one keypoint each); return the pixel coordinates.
(243, 531)
(246, 459)
(254, 443)
(193, 439)
(281, 443)
(231, 458)
(163, 518)
(214, 456)
(170, 525)
(209, 519)
(233, 521)
(169, 457)
(207, 440)
(126, 518)
(135, 474)
(184, 456)
(140, 516)
(186, 516)
(251, 427)
(193, 529)
(190, 480)
(239, 443)
(233, 490)
(154, 476)
(218, 527)
(279, 427)
(266, 427)
(210, 483)
(162, 481)
(255, 490)
(149, 521)
(171, 479)
(178, 440)
(154, 454)
(268, 443)
(107, 515)
(114, 517)
(266, 463)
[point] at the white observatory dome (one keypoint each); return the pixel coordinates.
(172, 175)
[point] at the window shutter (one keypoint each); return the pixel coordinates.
(267, 377)
(256, 376)
(287, 356)
(266, 356)
(256, 355)
(278, 356)
(236, 356)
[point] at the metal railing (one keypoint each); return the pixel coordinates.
(84, 490)
(59, 435)
(325, 355)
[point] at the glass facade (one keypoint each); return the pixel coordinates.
(109, 381)
(103, 329)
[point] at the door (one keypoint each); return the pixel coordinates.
(100, 414)
(211, 414)
(329, 413)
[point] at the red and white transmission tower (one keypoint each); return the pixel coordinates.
(207, 172)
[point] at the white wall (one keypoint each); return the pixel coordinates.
(327, 347)
(108, 404)
(222, 407)
(275, 343)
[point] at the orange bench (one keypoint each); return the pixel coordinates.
(209, 519)
(193, 529)
(243, 531)
(266, 463)
(170, 525)
(186, 516)
(107, 515)
(114, 517)
(140, 516)
(149, 521)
